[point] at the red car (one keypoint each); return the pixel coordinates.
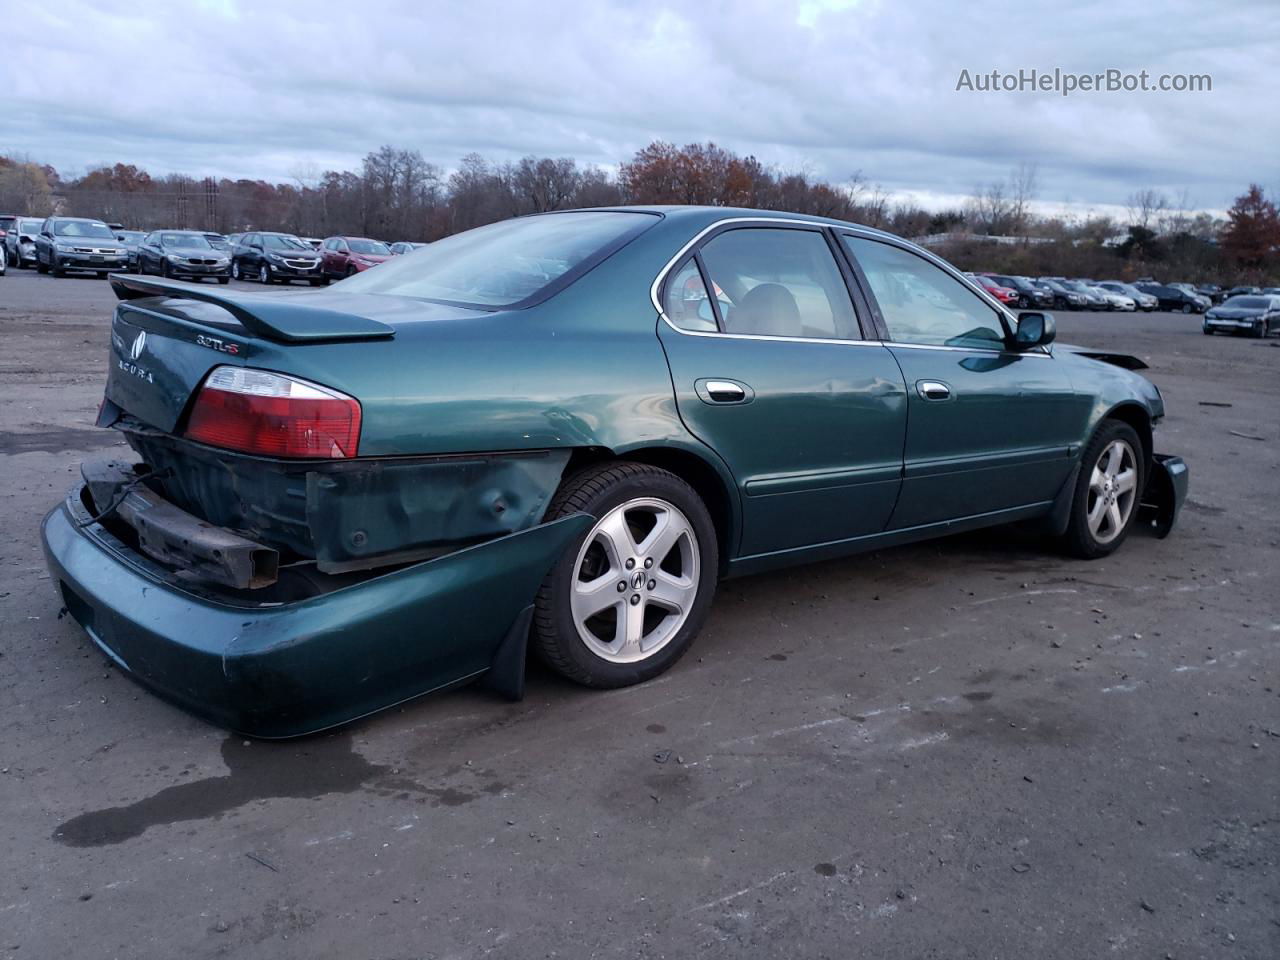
(342, 256)
(1003, 294)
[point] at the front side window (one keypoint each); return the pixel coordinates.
(778, 283)
(921, 303)
(506, 263)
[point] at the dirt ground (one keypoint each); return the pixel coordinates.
(968, 748)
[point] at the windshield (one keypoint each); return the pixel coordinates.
(276, 241)
(369, 246)
(82, 228)
(504, 263)
(1253, 303)
(192, 240)
(28, 226)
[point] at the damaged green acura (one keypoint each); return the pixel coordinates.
(560, 431)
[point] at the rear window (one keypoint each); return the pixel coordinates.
(505, 264)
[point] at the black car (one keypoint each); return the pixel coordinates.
(1244, 291)
(275, 258)
(1063, 297)
(1214, 292)
(1254, 315)
(1030, 295)
(20, 242)
(183, 253)
(77, 243)
(1173, 298)
(132, 239)
(1092, 299)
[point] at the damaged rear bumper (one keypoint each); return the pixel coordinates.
(286, 669)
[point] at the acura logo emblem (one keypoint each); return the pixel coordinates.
(637, 581)
(139, 344)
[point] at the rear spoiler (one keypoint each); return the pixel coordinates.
(283, 319)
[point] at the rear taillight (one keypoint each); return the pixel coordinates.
(255, 411)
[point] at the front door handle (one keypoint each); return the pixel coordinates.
(723, 391)
(933, 390)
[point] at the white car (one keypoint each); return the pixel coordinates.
(1118, 301)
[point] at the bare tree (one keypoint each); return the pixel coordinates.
(1145, 208)
(1022, 191)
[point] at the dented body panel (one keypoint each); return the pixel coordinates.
(355, 514)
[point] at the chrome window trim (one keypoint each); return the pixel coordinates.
(656, 287)
(870, 234)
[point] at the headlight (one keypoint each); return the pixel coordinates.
(173, 258)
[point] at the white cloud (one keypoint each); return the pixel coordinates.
(258, 89)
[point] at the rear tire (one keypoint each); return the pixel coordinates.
(668, 578)
(1108, 491)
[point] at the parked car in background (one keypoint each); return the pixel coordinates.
(1006, 295)
(562, 430)
(1214, 292)
(20, 242)
(1271, 291)
(1143, 301)
(78, 243)
(404, 246)
(1030, 295)
(131, 240)
(347, 256)
(1257, 316)
(1187, 288)
(6, 221)
(1116, 301)
(1093, 300)
(217, 241)
(275, 258)
(232, 239)
(183, 254)
(1064, 298)
(312, 242)
(1173, 298)
(1243, 291)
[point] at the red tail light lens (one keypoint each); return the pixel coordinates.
(255, 411)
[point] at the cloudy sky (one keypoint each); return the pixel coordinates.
(262, 89)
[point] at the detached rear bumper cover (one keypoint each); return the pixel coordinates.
(1165, 493)
(288, 669)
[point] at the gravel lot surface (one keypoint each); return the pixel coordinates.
(968, 748)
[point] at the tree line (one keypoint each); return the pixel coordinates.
(396, 194)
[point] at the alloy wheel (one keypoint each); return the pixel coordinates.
(263, 275)
(1113, 491)
(635, 580)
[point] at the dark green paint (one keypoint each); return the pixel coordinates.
(834, 453)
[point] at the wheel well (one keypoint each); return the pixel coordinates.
(1138, 418)
(689, 467)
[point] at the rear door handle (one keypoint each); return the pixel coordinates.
(933, 390)
(722, 391)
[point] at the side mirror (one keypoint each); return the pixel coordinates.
(1034, 330)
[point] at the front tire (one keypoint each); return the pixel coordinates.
(627, 598)
(1108, 491)
(264, 275)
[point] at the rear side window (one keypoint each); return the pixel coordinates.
(507, 264)
(686, 303)
(778, 283)
(921, 303)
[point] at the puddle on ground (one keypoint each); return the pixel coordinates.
(262, 771)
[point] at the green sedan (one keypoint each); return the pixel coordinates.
(561, 431)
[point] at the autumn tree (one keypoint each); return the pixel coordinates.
(1252, 234)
